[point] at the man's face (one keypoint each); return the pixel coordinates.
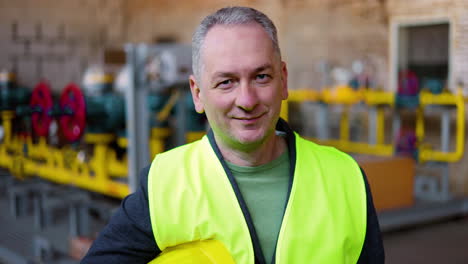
(242, 84)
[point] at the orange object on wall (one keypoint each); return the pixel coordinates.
(391, 181)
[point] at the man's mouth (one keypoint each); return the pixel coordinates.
(249, 119)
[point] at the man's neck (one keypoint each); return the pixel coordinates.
(269, 150)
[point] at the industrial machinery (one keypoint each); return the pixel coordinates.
(12, 97)
(11, 94)
(92, 149)
(376, 102)
(431, 198)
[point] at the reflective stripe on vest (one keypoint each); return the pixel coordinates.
(191, 198)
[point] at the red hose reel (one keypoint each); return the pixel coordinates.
(71, 112)
(72, 120)
(41, 104)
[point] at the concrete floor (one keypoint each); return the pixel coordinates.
(445, 242)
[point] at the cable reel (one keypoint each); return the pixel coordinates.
(41, 104)
(72, 121)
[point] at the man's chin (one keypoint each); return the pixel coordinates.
(248, 139)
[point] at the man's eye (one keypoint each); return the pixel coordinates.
(263, 78)
(224, 84)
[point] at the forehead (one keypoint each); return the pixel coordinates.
(236, 48)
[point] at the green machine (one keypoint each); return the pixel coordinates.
(14, 102)
(11, 95)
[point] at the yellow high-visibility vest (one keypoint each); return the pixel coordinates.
(197, 252)
(193, 198)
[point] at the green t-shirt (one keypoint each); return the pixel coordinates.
(264, 189)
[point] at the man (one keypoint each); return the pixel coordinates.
(266, 194)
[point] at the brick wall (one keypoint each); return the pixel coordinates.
(44, 38)
(309, 31)
(335, 32)
(147, 20)
(56, 40)
(461, 44)
(312, 31)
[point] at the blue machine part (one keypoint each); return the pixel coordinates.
(407, 101)
(12, 96)
(105, 113)
(435, 86)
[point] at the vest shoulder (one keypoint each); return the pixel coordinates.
(326, 152)
(179, 152)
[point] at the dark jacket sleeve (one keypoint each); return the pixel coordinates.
(373, 250)
(128, 237)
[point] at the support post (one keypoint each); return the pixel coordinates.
(136, 114)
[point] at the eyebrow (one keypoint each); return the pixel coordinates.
(260, 68)
(266, 66)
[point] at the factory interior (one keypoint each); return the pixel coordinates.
(92, 90)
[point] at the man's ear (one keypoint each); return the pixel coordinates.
(196, 94)
(284, 81)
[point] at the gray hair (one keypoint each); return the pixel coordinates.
(230, 16)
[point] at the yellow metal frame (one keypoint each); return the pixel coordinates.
(68, 166)
(372, 97)
(95, 138)
(7, 149)
(7, 117)
(157, 139)
(342, 94)
(299, 95)
(302, 95)
(64, 166)
(380, 125)
(426, 98)
(346, 96)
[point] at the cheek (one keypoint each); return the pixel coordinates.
(218, 102)
(271, 97)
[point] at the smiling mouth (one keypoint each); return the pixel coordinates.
(249, 118)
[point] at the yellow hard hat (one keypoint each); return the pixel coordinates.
(197, 252)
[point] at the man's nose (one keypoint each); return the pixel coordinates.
(247, 97)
